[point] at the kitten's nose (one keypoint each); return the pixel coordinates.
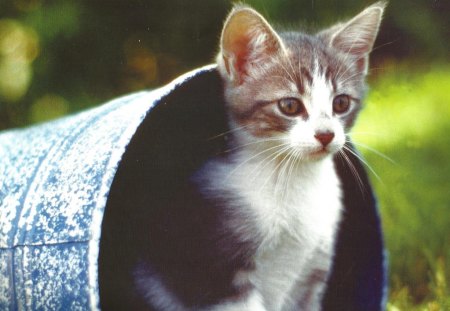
(324, 137)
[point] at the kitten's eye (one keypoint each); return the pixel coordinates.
(291, 106)
(341, 104)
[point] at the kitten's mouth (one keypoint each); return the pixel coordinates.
(320, 153)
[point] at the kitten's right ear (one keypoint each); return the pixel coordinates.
(357, 36)
(247, 41)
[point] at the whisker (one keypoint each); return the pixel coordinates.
(229, 132)
(382, 155)
(283, 66)
(353, 171)
(347, 55)
(273, 171)
(297, 76)
(351, 78)
(265, 162)
(259, 141)
(355, 76)
(293, 161)
(253, 157)
(364, 162)
(281, 175)
(384, 44)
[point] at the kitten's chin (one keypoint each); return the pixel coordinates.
(318, 155)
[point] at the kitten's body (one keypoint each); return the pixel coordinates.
(287, 235)
(293, 217)
(269, 209)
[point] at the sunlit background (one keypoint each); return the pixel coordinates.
(62, 56)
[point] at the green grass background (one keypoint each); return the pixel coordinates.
(407, 120)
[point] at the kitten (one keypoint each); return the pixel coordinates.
(259, 225)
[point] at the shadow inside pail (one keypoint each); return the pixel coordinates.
(175, 138)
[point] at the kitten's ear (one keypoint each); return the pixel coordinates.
(357, 36)
(247, 41)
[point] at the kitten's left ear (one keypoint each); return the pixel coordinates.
(357, 36)
(247, 41)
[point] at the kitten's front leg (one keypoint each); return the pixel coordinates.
(308, 293)
(312, 297)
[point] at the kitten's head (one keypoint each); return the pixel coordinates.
(300, 92)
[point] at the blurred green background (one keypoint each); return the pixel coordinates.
(62, 56)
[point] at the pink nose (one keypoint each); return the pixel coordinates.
(324, 137)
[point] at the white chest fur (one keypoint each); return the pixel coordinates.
(296, 212)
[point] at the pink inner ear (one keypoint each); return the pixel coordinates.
(241, 56)
(245, 53)
(236, 44)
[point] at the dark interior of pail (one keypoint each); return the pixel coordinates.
(176, 137)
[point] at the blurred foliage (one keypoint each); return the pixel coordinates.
(60, 56)
(405, 124)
